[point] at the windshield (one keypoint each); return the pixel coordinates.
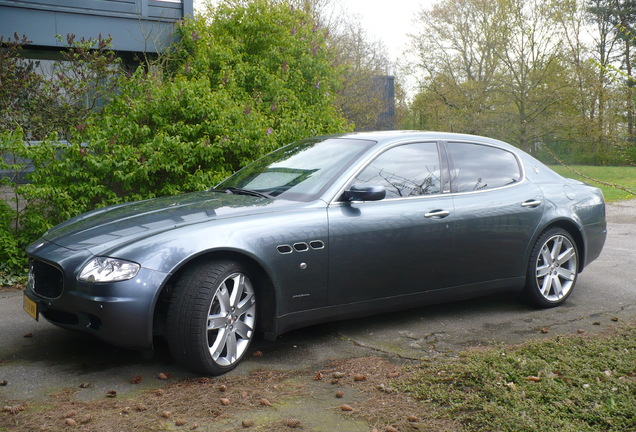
(300, 171)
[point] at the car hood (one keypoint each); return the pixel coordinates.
(128, 222)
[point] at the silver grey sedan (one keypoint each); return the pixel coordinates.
(323, 229)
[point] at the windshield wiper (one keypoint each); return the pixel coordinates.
(241, 191)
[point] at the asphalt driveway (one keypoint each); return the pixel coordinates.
(38, 359)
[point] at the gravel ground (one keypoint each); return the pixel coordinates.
(43, 364)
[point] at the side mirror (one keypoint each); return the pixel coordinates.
(365, 193)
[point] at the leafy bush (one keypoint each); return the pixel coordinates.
(239, 83)
(11, 254)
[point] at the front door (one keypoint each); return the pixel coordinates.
(398, 245)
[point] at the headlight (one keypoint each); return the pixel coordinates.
(103, 269)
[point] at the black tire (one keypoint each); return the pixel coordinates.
(553, 269)
(218, 294)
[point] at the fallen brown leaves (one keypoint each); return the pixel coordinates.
(361, 386)
(13, 409)
(376, 401)
(183, 403)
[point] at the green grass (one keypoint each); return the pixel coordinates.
(621, 176)
(567, 384)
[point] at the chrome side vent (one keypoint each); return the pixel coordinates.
(301, 247)
(317, 244)
(284, 249)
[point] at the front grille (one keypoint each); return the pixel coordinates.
(46, 280)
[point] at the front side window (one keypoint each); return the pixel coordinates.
(405, 171)
(478, 167)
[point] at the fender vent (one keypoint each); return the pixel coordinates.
(317, 244)
(301, 247)
(285, 249)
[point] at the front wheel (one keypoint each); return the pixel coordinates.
(553, 268)
(212, 317)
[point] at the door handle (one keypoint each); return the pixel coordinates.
(437, 214)
(531, 203)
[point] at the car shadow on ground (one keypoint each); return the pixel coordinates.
(42, 358)
(76, 351)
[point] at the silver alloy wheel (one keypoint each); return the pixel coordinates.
(556, 268)
(231, 319)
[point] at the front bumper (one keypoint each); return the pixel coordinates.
(120, 313)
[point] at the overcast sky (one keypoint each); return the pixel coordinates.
(389, 21)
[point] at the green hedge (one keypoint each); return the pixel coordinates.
(241, 82)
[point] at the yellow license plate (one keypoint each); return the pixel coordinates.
(30, 307)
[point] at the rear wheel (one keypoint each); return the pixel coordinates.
(212, 317)
(553, 268)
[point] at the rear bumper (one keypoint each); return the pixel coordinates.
(595, 235)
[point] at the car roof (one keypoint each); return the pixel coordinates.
(386, 137)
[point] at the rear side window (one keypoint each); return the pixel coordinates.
(478, 167)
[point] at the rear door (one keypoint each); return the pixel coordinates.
(497, 212)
